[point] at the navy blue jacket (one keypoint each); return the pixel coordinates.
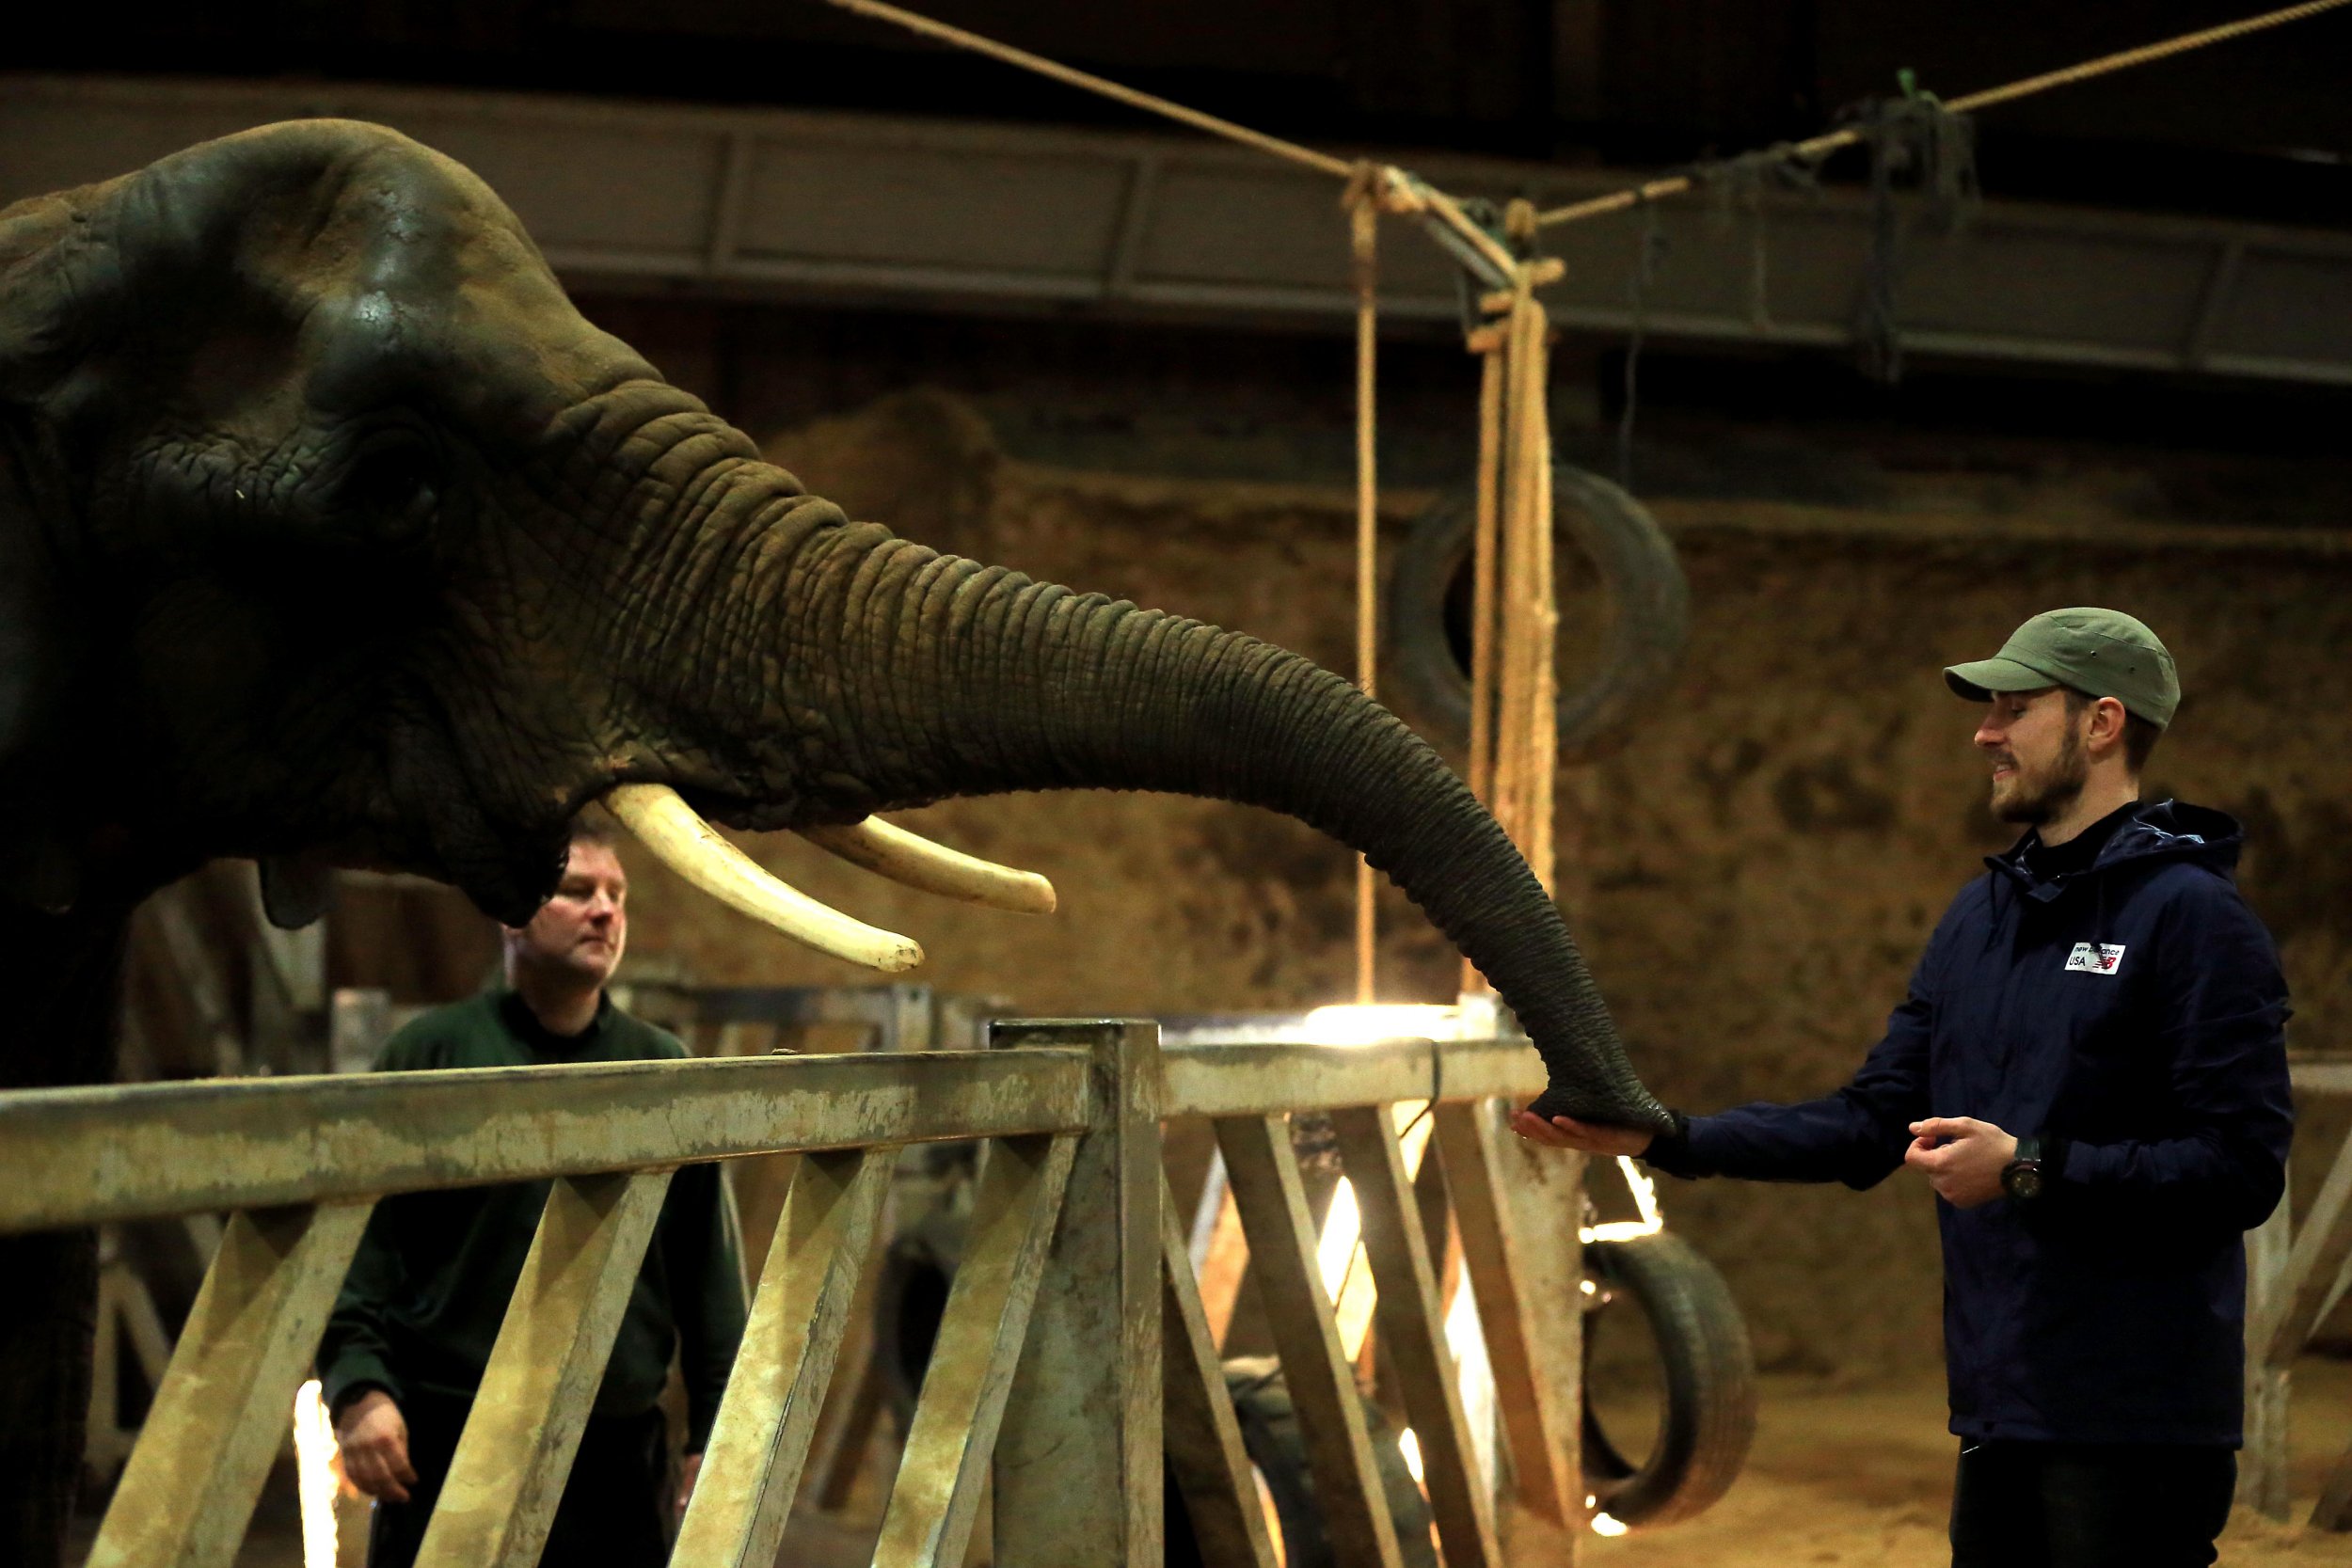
(2133, 1012)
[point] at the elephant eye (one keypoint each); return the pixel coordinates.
(391, 487)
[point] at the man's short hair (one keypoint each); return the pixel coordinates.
(2139, 734)
(590, 827)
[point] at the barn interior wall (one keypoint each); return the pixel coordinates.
(1767, 857)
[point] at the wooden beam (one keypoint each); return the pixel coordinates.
(84, 1156)
(1279, 1078)
(515, 1452)
(1412, 1333)
(928, 1521)
(1204, 1448)
(226, 1402)
(1503, 1256)
(2290, 1309)
(1264, 1171)
(760, 1442)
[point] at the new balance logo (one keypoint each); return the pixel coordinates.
(2095, 957)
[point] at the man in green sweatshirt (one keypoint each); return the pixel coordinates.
(411, 1333)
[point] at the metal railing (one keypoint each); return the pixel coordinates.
(1073, 1346)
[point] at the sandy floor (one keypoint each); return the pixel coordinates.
(1864, 1477)
(1859, 1477)
(1838, 1476)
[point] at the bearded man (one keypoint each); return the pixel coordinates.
(2091, 1071)
(411, 1333)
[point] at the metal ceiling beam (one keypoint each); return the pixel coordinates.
(802, 206)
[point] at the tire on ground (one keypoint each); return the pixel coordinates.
(1269, 1430)
(1709, 1417)
(1424, 665)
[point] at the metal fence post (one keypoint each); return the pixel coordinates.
(1077, 1466)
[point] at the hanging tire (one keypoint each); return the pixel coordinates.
(1425, 662)
(1269, 1431)
(1709, 1416)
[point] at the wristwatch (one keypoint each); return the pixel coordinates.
(2022, 1177)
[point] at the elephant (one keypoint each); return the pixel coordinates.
(332, 534)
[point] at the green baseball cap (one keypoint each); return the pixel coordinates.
(2103, 651)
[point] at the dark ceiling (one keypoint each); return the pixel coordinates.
(2260, 127)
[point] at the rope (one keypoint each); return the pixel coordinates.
(1648, 252)
(1513, 745)
(1482, 733)
(1086, 81)
(1405, 194)
(2145, 55)
(1918, 136)
(1487, 345)
(1363, 216)
(1527, 729)
(1821, 146)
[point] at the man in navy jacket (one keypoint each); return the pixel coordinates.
(2091, 1071)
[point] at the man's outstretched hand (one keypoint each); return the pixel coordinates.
(1962, 1158)
(1588, 1138)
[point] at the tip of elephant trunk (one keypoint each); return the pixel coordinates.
(1603, 1105)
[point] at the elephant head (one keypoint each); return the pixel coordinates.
(331, 533)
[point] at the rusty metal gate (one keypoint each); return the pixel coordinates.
(1073, 1353)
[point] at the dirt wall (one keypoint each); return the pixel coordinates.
(1765, 860)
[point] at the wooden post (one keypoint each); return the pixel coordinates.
(1077, 1464)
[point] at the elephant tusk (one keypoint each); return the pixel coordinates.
(681, 840)
(909, 858)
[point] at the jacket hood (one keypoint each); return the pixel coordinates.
(2164, 830)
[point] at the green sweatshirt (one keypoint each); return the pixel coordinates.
(428, 1287)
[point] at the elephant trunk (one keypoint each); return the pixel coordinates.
(964, 679)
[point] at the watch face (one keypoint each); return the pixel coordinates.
(2024, 1182)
